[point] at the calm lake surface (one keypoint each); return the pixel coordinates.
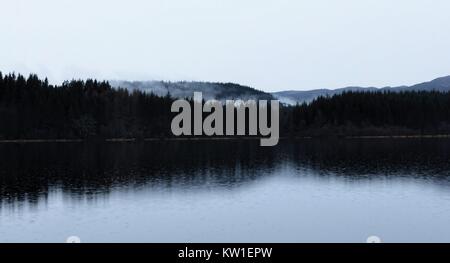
(226, 191)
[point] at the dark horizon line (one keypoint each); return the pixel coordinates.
(110, 81)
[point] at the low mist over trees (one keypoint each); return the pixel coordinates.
(30, 108)
(185, 89)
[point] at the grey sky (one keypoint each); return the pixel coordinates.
(270, 45)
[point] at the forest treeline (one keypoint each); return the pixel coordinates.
(31, 108)
(373, 114)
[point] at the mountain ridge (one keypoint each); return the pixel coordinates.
(293, 97)
(226, 91)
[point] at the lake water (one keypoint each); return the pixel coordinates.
(226, 191)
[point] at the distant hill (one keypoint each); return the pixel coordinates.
(294, 97)
(219, 91)
(224, 91)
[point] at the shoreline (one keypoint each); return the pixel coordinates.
(400, 136)
(21, 141)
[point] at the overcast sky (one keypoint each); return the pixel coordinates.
(270, 45)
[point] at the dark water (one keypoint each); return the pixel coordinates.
(226, 191)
